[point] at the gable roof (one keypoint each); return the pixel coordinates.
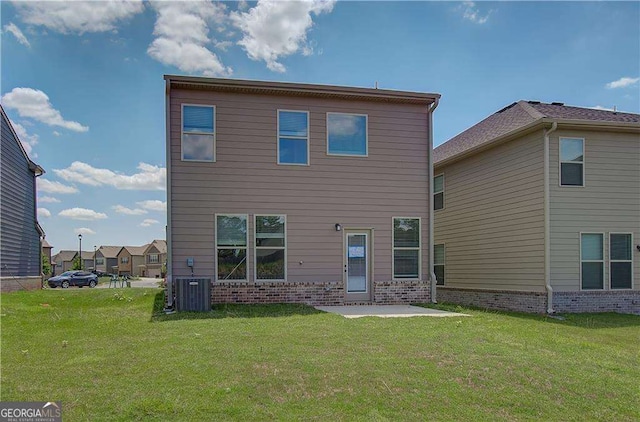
(134, 250)
(46, 244)
(519, 116)
(160, 245)
(87, 255)
(109, 251)
(64, 256)
(35, 168)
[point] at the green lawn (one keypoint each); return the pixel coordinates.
(108, 355)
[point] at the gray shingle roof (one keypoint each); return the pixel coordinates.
(518, 115)
(109, 251)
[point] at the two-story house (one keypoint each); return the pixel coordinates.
(538, 210)
(155, 257)
(131, 260)
(107, 259)
(20, 233)
(287, 192)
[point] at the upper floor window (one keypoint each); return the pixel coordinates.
(438, 192)
(99, 261)
(293, 137)
(406, 248)
(153, 258)
(198, 133)
(124, 260)
(571, 162)
(347, 134)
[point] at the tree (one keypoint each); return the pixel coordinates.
(46, 266)
(76, 264)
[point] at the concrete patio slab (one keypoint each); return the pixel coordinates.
(386, 311)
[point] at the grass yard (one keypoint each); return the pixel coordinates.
(108, 355)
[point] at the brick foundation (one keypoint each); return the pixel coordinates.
(621, 301)
(531, 302)
(13, 284)
(316, 293)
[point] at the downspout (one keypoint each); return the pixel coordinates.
(547, 224)
(432, 275)
(169, 275)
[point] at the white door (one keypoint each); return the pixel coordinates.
(357, 266)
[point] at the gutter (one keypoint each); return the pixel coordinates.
(169, 275)
(432, 275)
(547, 223)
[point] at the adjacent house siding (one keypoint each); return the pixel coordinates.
(492, 223)
(356, 192)
(19, 238)
(609, 202)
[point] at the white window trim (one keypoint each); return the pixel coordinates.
(215, 132)
(621, 260)
(434, 192)
(444, 263)
(366, 135)
(367, 258)
(124, 259)
(393, 249)
(256, 247)
(604, 284)
(157, 258)
(246, 247)
(560, 162)
(308, 138)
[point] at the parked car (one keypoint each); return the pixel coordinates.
(100, 273)
(73, 278)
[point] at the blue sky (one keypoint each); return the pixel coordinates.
(83, 82)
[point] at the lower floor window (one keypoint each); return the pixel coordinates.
(592, 261)
(406, 247)
(231, 247)
(620, 260)
(270, 247)
(438, 263)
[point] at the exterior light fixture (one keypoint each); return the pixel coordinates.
(338, 227)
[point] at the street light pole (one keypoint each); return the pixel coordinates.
(94, 258)
(80, 249)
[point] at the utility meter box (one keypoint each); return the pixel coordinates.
(193, 294)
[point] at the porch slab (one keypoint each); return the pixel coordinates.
(386, 311)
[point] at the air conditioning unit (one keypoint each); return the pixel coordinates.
(193, 294)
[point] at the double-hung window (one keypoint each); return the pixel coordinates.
(124, 260)
(347, 134)
(571, 162)
(99, 261)
(438, 263)
(153, 258)
(231, 246)
(406, 248)
(438, 192)
(270, 247)
(592, 261)
(198, 133)
(293, 137)
(620, 260)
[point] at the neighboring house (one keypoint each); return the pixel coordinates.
(282, 192)
(46, 251)
(87, 260)
(107, 259)
(131, 260)
(539, 210)
(64, 261)
(20, 233)
(154, 257)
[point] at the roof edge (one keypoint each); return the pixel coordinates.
(289, 88)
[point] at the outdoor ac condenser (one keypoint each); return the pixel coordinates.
(193, 294)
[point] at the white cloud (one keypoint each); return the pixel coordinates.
(182, 33)
(43, 213)
(56, 133)
(78, 16)
(623, 83)
(243, 5)
(35, 104)
(83, 231)
(48, 199)
(274, 29)
(223, 45)
(128, 211)
(12, 28)
(45, 185)
(82, 214)
(153, 205)
(148, 178)
(27, 141)
(472, 13)
(148, 222)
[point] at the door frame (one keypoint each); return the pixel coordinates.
(369, 232)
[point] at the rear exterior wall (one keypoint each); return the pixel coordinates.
(356, 192)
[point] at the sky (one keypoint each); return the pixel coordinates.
(82, 82)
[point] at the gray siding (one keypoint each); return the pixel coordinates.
(19, 238)
(493, 221)
(609, 202)
(355, 192)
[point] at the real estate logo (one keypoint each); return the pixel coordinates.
(34, 411)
